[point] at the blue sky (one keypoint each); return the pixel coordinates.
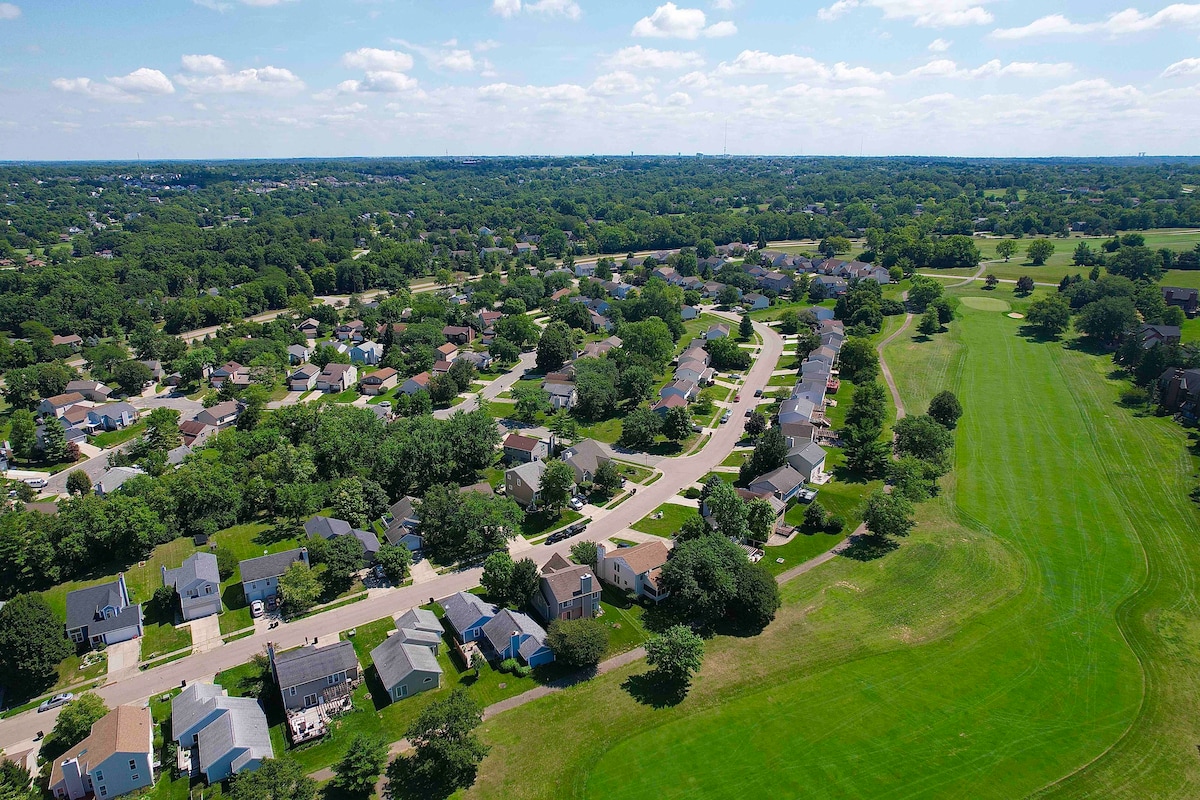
(82, 79)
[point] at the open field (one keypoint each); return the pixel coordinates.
(1021, 676)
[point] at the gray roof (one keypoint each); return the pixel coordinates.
(196, 567)
(565, 580)
(810, 454)
(554, 388)
(326, 527)
(586, 456)
(114, 478)
(177, 455)
(427, 638)
(114, 410)
(242, 726)
(783, 480)
(370, 541)
(506, 623)
(419, 619)
(311, 663)
(83, 606)
(192, 705)
(396, 659)
(464, 610)
(269, 566)
(530, 472)
(796, 409)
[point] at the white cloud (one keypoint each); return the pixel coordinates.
(757, 62)
(678, 100)
(144, 81)
(723, 5)
(671, 22)
(560, 8)
(9, 11)
(945, 68)
(205, 65)
(120, 89)
(221, 5)
(1179, 15)
(264, 80)
(924, 13)
(619, 83)
(638, 57)
(380, 82)
(563, 93)
(371, 58)
(440, 58)
(939, 46)
(1188, 66)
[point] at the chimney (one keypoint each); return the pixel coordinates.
(164, 575)
(585, 583)
(304, 555)
(601, 551)
(514, 644)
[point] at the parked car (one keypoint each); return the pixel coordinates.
(385, 404)
(257, 609)
(737, 398)
(758, 392)
(574, 530)
(806, 495)
(725, 417)
(576, 503)
(36, 483)
(56, 701)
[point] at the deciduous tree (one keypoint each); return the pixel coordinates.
(577, 643)
(31, 644)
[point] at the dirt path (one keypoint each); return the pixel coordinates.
(883, 367)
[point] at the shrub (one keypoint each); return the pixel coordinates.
(509, 665)
(834, 524)
(692, 493)
(522, 671)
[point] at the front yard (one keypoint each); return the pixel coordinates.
(539, 523)
(671, 521)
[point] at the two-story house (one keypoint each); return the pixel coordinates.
(636, 569)
(103, 614)
(520, 449)
(309, 676)
(522, 483)
(467, 614)
(198, 584)
(220, 416)
(116, 758)
(568, 591)
(511, 634)
(260, 576)
(585, 458)
(337, 377)
(401, 525)
(227, 734)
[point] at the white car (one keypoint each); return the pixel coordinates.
(56, 701)
(36, 483)
(576, 503)
(257, 608)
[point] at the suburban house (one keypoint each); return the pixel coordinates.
(176, 455)
(103, 614)
(71, 340)
(417, 383)
(480, 361)
(311, 676)
(459, 334)
(1151, 335)
(309, 328)
(420, 626)
(227, 735)
(380, 381)
(368, 353)
(113, 417)
(808, 459)
(156, 369)
(512, 634)
(116, 758)
(689, 312)
(198, 584)
(407, 667)
(59, 403)
(330, 528)
(304, 378)
(522, 483)
(441, 367)
(260, 576)
(195, 433)
(401, 525)
(114, 478)
(753, 301)
(665, 404)
(831, 286)
(337, 377)
(562, 395)
(636, 569)
(352, 331)
(299, 353)
(222, 415)
(568, 591)
(467, 614)
(585, 458)
(230, 371)
(520, 449)
(782, 483)
(95, 391)
(718, 331)
(446, 352)
(1187, 299)
(683, 388)
(1179, 390)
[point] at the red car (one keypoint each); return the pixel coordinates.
(737, 398)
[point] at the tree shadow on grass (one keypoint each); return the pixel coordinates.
(280, 532)
(1035, 335)
(1088, 345)
(655, 692)
(869, 547)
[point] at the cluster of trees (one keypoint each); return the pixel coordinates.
(862, 308)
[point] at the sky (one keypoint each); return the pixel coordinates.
(161, 79)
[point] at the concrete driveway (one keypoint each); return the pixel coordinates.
(206, 633)
(123, 657)
(423, 572)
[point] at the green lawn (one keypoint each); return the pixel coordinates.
(991, 655)
(537, 524)
(634, 472)
(161, 638)
(114, 438)
(672, 520)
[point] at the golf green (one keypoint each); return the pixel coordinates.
(995, 654)
(986, 303)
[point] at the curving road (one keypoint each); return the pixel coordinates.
(677, 474)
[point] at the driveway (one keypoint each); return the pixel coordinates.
(423, 572)
(206, 633)
(123, 657)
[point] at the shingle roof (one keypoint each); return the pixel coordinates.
(396, 659)
(526, 444)
(809, 454)
(125, 729)
(565, 582)
(419, 619)
(196, 567)
(642, 557)
(530, 472)
(507, 622)
(465, 609)
(586, 455)
(192, 705)
(269, 566)
(310, 663)
(326, 527)
(783, 479)
(84, 604)
(243, 725)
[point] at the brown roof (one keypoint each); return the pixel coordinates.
(380, 374)
(421, 379)
(66, 399)
(125, 729)
(642, 557)
(525, 444)
(447, 348)
(563, 578)
(192, 427)
(670, 401)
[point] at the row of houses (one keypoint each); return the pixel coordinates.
(522, 482)
(692, 373)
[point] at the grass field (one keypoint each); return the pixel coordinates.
(994, 654)
(672, 519)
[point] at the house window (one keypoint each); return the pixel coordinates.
(98, 775)
(336, 678)
(208, 589)
(428, 680)
(103, 791)
(135, 777)
(132, 764)
(77, 635)
(291, 691)
(310, 700)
